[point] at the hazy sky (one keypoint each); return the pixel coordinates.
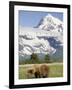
(32, 18)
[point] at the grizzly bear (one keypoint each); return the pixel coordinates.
(39, 71)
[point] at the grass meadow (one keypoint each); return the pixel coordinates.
(55, 70)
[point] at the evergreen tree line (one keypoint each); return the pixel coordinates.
(34, 59)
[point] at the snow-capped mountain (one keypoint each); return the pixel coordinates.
(50, 23)
(46, 38)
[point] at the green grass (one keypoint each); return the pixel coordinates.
(55, 70)
(22, 73)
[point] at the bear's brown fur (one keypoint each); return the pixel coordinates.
(39, 71)
(44, 71)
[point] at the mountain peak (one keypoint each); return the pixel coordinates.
(48, 15)
(50, 22)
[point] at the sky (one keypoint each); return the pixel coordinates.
(32, 18)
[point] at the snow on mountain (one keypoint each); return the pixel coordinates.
(46, 38)
(53, 26)
(50, 23)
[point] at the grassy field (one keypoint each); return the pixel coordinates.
(56, 70)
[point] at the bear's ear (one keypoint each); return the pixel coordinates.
(31, 71)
